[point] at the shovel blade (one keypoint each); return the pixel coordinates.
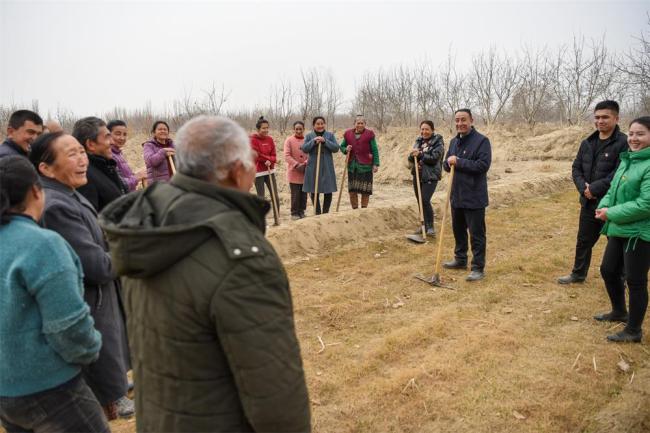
(418, 239)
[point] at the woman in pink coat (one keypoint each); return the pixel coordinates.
(296, 162)
(157, 152)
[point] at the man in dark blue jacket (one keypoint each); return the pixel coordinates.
(470, 152)
(592, 172)
(24, 127)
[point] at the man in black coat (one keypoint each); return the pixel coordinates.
(104, 182)
(24, 127)
(592, 171)
(471, 154)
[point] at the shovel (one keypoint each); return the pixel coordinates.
(345, 171)
(417, 238)
(435, 279)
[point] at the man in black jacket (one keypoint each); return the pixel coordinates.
(24, 127)
(592, 171)
(470, 152)
(104, 182)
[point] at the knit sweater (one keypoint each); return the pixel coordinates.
(46, 331)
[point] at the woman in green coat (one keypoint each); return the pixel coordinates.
(626, 212)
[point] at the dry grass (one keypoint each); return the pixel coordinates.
(491, 356)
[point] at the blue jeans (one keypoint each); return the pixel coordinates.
(70, 407)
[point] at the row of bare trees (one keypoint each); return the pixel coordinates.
(535, 84)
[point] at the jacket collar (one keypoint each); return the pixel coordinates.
(471, 132)
(594, 136)
(9, 142)
(58, 186)
(253, 207)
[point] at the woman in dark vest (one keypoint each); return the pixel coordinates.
(363, 161)
(429, 149)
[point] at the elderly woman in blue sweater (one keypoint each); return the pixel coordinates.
(47, 331)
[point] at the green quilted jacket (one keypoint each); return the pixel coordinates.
(628, 198)
(209, 312)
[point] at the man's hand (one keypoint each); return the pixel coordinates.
(588, 193)
(601, 214)
(451, 160)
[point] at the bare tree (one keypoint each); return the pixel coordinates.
(214, 100)
(333, 98)
(401, 95)
(373, 99)
(311, 103)
(536, 79)
(281, 104)
(635, 67)
(454, 88)
(427, 92)
(583, 74)
(493, 80)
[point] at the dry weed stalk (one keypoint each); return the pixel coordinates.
(576, 361)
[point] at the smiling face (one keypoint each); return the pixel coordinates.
(118, 136)
(102, 145)
(161, 133)
(605, 121)
(70, 163)
(425, 131)
(319, 125)
(638, 137)
(463, 122)
(298, 130)
(359, 125)
(25, 135)
(264, 130)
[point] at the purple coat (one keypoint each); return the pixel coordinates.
(123, 168)
(155, 159)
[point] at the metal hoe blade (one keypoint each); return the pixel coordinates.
(416, 238)
(433, 280)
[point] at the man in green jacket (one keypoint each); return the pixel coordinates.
(209, 311)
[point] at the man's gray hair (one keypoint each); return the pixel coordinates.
(207, 146)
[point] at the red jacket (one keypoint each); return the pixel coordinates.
(265, 148)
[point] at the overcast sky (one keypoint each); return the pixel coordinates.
(92, 56)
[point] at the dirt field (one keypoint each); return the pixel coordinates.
(515, 352)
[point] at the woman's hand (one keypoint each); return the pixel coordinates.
(375, 168)
(601, 214)
(170, 152)
(267, 163)
(415, 152)
(319, 139)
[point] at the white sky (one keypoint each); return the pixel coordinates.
(92, 56)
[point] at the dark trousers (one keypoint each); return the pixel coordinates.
(259, 188)
(588, 233)
(472, 220)
(427, 192)
(298, 199)
(327, 201)
(629, 258)
(70, 407)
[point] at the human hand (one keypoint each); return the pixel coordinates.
(415, 152)
(452, 160)
(142, 174)
(319, 140)
(375, 169)
(170, 152)
(267, 163)
(601, 214)
(588, 193)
